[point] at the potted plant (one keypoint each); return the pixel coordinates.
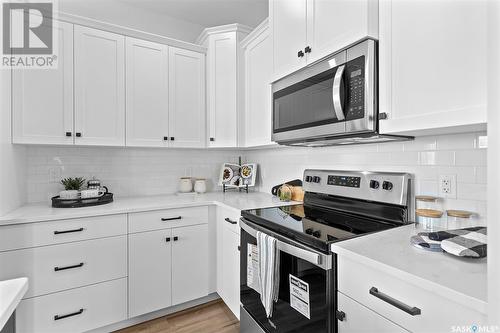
(72, 187)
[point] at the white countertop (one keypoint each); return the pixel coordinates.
(237, 200)
(462, 280)
(11, 293)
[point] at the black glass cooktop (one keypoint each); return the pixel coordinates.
(315, 226)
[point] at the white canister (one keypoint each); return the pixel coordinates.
(185, 185)
(69, 194)
(200, 185)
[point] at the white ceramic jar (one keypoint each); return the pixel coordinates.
(185, 185)
(200, 185)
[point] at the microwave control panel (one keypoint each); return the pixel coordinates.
(355, 84)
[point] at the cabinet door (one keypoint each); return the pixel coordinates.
(288, 27)
(258, 75)
(150, 271)
(146, 93)
(432, 66)
(187, 98)
(42, 99)
(189, 263)
(231, 270)
(335, 24)
(223, 116)
(99, 87)
(359, 318)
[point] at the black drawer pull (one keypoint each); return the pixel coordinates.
(227, 219)
(68, 267)
(78, 134)
(58, 317)
(176, 239)
(171, 218)
(340, 315)
(68, 134)
(414, 311)
(57, 232)
(167, 239)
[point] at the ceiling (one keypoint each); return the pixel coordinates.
(207, 13)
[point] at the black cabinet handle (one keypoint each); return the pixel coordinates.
(307, 49)
(172, 138)
(382, 116)
(167, 239)
(340, 315)
(239, 248)
(227, 219)
(78, 134)
(68, 134)
(212, 139)
(58, 317)
(176, 238)
(171, 218)
(414, 311)
(300, 54)
(57, 232)
(165, 138)
(68, 267)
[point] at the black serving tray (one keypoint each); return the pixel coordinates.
(76, 203)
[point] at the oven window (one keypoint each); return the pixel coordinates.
(285, 318)
(305, 104)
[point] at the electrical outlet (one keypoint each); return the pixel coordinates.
(448, 186)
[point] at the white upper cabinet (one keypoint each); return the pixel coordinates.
(258, 74)
(99, 87)
(289, 32)
(187, 121)
(335, 24)
(225, 71)
(147, 93)
(42, 99)
(432, 66)
(304, 31)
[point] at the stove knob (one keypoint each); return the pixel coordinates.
(387, 186)
(308, 179)
(316, 179)
(317, 234)
(309, 231)
(374, 184)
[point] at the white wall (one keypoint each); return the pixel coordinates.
(12, 158)
(119, 13)
(426, 157)
(126, 171)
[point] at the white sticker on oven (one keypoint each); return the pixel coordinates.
(299, 296)
(253, 267)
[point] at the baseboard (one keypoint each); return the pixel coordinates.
(156, 314)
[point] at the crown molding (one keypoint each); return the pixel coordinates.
(259, 30)
(234, 27)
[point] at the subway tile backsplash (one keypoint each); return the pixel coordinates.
(142, 171)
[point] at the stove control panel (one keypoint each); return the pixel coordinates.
(344, 181)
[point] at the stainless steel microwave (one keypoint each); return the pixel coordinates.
(333, 101)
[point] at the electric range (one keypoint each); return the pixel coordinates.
(338, 205)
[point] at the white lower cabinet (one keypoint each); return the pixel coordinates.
(76, 310)
(150, 271)
(228, 258)
(358, 318)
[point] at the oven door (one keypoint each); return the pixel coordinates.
(310, 308)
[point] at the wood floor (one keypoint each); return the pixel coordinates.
(213, 317)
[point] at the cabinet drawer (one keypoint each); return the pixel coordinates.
(77, 310)
(167, 218)
(59, 267)
(377, 290)
(18, 236)
(229, 217)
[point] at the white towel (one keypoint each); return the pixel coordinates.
(268, 271)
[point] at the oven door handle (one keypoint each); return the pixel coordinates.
(337, 103)
(319, 259)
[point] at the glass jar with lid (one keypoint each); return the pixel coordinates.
(430, 219)
(459, 218)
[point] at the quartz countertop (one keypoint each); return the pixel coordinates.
(11, 293)
(463, 280)
(236, 200)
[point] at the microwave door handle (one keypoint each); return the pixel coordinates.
(337, 104)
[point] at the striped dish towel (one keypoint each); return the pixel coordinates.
(472, 244)
(268, 271)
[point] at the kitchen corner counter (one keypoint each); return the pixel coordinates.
(237, 200)
(11, 293)
(462, 280)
